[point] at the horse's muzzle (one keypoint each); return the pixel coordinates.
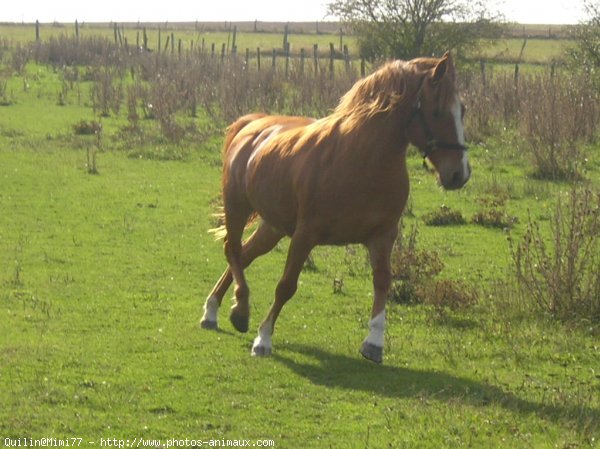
(457, 179)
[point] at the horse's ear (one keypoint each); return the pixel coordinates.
(443, 67)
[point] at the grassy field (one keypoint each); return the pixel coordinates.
(103, 277)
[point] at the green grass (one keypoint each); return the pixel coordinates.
(103, 277)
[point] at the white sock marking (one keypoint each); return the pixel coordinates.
(264, 336)
(211, 307)
(376, 330)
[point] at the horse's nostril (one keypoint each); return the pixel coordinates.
(456, 178)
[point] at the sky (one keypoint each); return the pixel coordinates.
(522, 11)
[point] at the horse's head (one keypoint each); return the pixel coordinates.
(435, 125)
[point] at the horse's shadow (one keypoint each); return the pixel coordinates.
(354, 373)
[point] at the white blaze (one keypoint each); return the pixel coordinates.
(460, 132)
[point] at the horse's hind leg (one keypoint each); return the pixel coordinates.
(300, 248)
(235, 223)
(260, 242)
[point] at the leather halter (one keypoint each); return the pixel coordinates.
(433, 144)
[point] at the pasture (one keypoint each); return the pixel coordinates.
(103, 277)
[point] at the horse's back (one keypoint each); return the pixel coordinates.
(245, 170)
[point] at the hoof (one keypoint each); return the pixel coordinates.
(371, 352)
(261, 351)
(207, 324)
(240, 322)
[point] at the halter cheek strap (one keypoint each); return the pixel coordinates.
(433, 144)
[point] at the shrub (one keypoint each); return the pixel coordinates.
(493, 214)
(444, 216)
(106, 94)
(87, 128)
(562, 275)
(451, 294)
(559, 114)
(412, 269)
(494, 218)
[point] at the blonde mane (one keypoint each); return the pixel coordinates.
(384, 90)
(394, 87)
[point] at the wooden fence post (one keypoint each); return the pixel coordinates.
(331, 57)
(285, 36)
(37, 30)
(346, 57)
(274, 56)
(159, 40)
(316, 57)
(483, 74)
(287, 58)
(302, 61)
(76, 29)
(258, 57)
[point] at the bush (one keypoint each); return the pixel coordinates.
(412, 269)
(451, 294)
(444, 216)
(559, 114)
(87, 128)
(562, 276)
(493, 214)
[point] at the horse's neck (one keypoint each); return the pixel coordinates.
(379, 136)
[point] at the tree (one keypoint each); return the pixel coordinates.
(586, 53)
(409, 28)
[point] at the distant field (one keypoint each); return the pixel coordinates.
(540, 49)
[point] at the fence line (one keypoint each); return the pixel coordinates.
(230, 49)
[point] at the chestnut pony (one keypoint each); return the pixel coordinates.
(338, 180)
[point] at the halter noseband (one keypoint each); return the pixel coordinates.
(433, 144)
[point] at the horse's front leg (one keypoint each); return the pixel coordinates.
(380, 250)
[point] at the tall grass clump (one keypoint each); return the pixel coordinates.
(414, 277)
(561, 274)
(413, 269)
(555, 113)
(559, 115)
